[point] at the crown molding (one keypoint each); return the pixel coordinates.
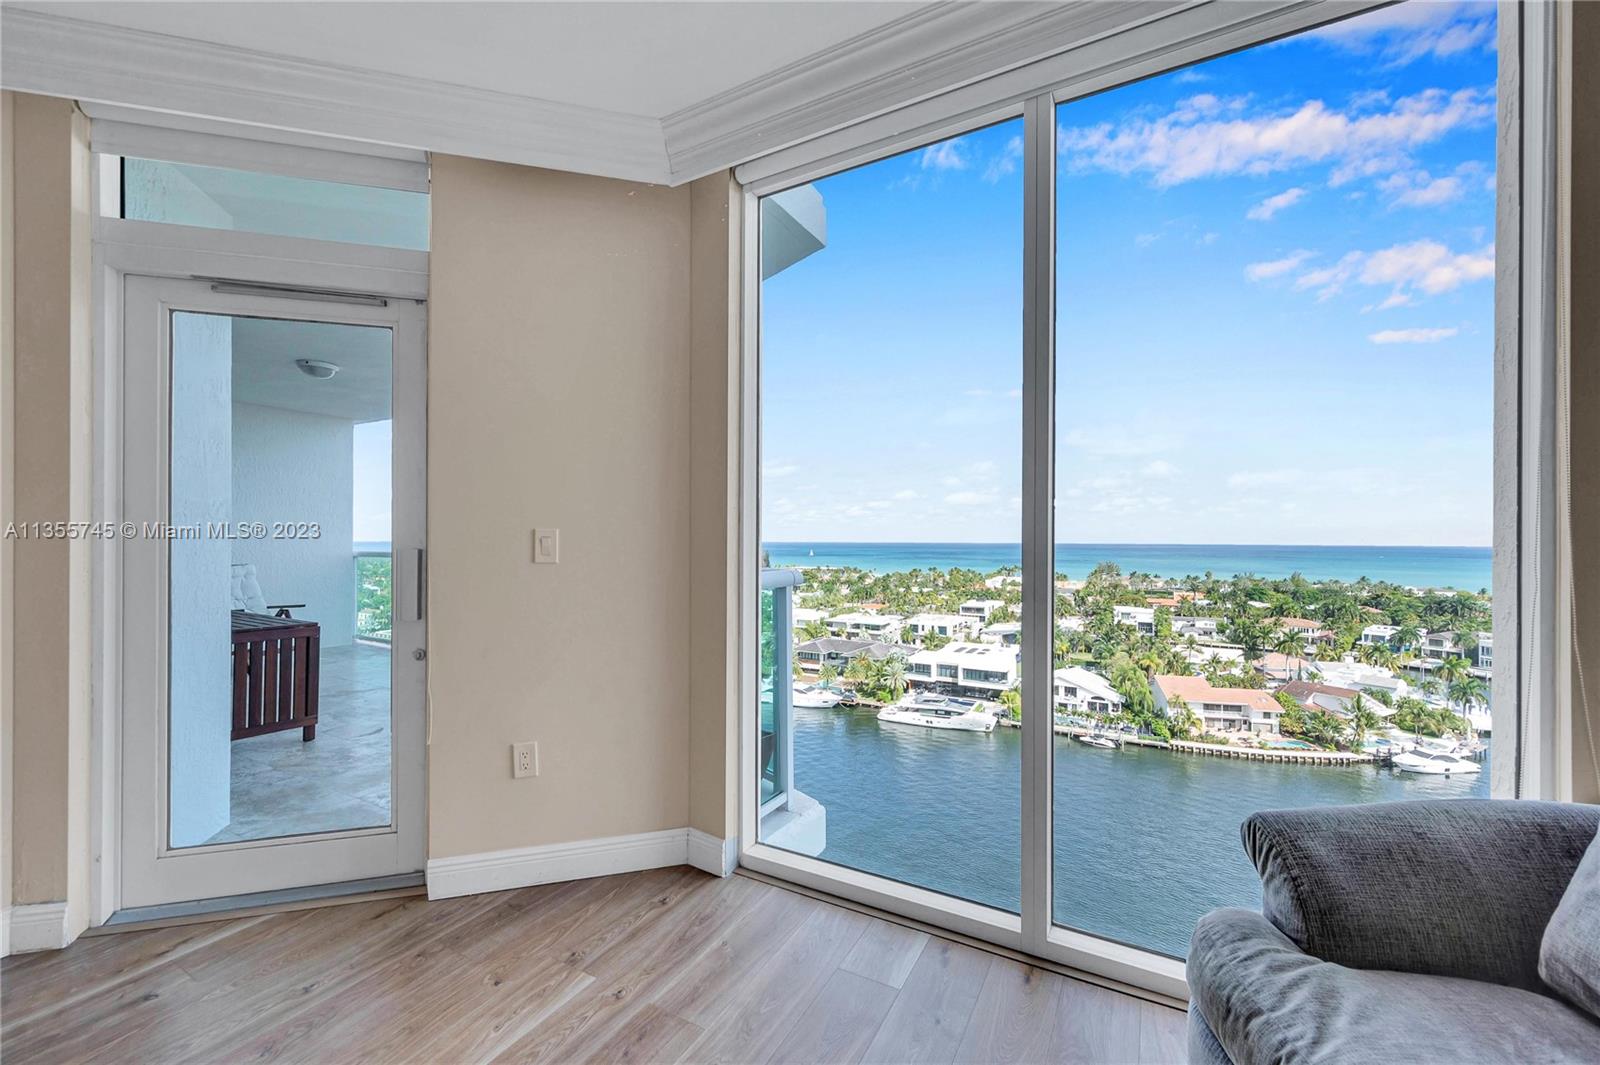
(923, 54)
(60, 56)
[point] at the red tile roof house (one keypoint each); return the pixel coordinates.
(1222, 710)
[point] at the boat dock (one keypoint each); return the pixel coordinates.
(1217, 750)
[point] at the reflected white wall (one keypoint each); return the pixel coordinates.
(291, 466)
(200, 684)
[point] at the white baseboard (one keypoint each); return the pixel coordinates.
(34, 926)
(470, 874)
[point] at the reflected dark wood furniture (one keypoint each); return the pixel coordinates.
(274, 674)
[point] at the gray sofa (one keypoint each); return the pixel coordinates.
(1404, 932)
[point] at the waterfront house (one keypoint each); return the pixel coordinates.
(1083, 691)
(1332, 698)
(805, 615)
(1350, 672)
(1311, 631)
(836, 651)
(978, 670)
(1201, 628)
(1440, 645)
(1005, 632)
(866, 625)
(1221, 710)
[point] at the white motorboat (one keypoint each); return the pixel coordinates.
(1435, 763)
(816, 697)
(1095, 739)
(940, 711)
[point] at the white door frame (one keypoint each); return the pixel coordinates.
(125, 248)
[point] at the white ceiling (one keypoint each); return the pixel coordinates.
(264, 370)
(647, 59)
(663, 92)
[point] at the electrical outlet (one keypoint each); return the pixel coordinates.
(525, 759)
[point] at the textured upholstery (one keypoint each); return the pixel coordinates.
(1569, 957)
(1203, 1046)
(1267, 1001)
(246, 589)
(1456, 887)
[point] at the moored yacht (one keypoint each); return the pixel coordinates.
(1435, 763)
(941, 711)
(816, 697)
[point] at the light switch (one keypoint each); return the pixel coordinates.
(547, 546)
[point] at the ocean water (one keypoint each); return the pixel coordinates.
(1464, 568)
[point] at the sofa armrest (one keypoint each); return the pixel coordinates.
(1453, 887)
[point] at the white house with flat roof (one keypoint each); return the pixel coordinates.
(954, 626)
(803, 615)
(981, 608)
(864, 625)
(982, 670)
(1379, 635)
(1083, 691)
(1142, 618)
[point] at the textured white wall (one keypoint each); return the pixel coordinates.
(289, 466)
(200, 684)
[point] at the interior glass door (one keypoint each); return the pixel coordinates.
(276, 695)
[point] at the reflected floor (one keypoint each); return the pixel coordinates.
(283, 786)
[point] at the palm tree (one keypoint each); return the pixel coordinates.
(1291, 644)
(1449, 670)
(1011, 699)
(893, 675)
(1184, 721)
(1408, 635)
(858, 671)
(826, 676)
(1466, 692)
(1362, 721)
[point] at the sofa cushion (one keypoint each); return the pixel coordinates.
(1267, 1001)
(1393, 885)
(1569, 957)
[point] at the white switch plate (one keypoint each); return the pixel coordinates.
(525, 759)
(547, 546)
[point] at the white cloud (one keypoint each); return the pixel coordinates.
(1264, 478)
(1425, 266)
(1205, 136)
(905, 494)
(779, 471)
(1005, 163)
(1418, 188)
(1428, 265)
(1190, 77)
(1412, 336)
(946, 155)
(1406, 32)
(970, 499)
(1158, 468)
(1144, 240)
(1270, 206)
(1276, 267)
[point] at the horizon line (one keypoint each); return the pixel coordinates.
(1114, 543)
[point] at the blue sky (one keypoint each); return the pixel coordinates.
(1275, 311)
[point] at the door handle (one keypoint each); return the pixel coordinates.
(411, 584)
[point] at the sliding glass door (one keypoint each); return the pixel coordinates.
(1214, 352)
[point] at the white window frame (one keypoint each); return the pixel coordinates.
(120, 248)
(1524, 424)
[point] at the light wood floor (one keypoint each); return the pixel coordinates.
(668, 965)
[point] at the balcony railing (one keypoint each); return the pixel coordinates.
(374, 604)
(789, 818)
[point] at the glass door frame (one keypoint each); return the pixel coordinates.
(152, 872)
(1524, 369)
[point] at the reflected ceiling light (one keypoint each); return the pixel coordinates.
(315, 368)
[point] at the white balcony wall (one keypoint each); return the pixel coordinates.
(199, 681)
(291, 466)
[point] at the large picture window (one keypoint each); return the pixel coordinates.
(1262, 437)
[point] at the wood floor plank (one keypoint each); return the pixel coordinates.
(746, 1019)
(1095, 1026)
(929, 1016)
(664, 965)
(1014, 1016)
(1163, 1035)
(651, 1034)
(886, 953)
(839, 1024)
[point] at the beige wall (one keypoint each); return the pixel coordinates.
(7, 347)
(50, 229)
(1584, 349)
(559, 363)
(715, 203)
